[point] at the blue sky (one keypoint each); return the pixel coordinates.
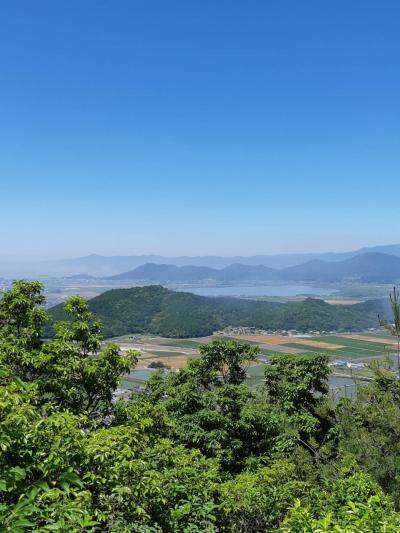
(198, 127)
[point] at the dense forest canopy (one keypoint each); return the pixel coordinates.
(198, 451)
(154, 309)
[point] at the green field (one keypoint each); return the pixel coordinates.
(305, 347)
(164, 353)
(181, 343)
(353, 348)
(266, 351)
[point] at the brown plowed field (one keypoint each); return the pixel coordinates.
(283, 339)
(318, 344)
(176, 361)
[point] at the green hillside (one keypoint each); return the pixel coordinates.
(154, 309)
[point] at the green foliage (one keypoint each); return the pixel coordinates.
(161, 485)
(394, 327)
(21, 323)
(298, 382)
(70, 370)
(20, 314)
(258, 501)
(370, 429)
(198, 451)
(156, 310)
(212, 409)
(80, 381)
(228, 360)
(353, 504)
(298, 386)
(158, 364)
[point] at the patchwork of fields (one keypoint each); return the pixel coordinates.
(346, 348)
(283, 340)
(343, 346)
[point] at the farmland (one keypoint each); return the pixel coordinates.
(344, 346)
(360, 348)
(348, 349)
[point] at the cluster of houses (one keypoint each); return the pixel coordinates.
(231, 331)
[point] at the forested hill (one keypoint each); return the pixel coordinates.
(235, 272)
(368, 267)
(156, 310)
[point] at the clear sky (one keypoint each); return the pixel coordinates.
(198, 127)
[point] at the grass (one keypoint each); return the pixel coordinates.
(357, 352)
(266, 351)
(181, 343)
(165, 353)
(353, 348)
(345, 341)
(306, 347)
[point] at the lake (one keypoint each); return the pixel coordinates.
(260, 290)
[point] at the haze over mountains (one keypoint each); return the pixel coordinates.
(104, 266)
(368, 267)
(235, 272)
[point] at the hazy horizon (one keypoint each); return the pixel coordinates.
(20, 258)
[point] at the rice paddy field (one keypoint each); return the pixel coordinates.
(338, 346)
(347, 348)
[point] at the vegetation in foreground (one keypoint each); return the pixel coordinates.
(198, 452)
(156, 310)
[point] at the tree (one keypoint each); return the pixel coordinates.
(297, 381)
(298, 385)
(197, 451)
(58, 471)
(21, 326)
(350, 504)
(76, 372)
(259, 500)
(369, 430)
(21, 315)
(226, 361)
(213, 410)
(394, 327)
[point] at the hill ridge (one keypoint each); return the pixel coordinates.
(369, 267)
(156, 310)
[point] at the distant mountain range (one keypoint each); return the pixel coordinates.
(367, 267)
(103, 266)
(171, 273)
(156, 310)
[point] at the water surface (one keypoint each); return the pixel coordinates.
(260, 290)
